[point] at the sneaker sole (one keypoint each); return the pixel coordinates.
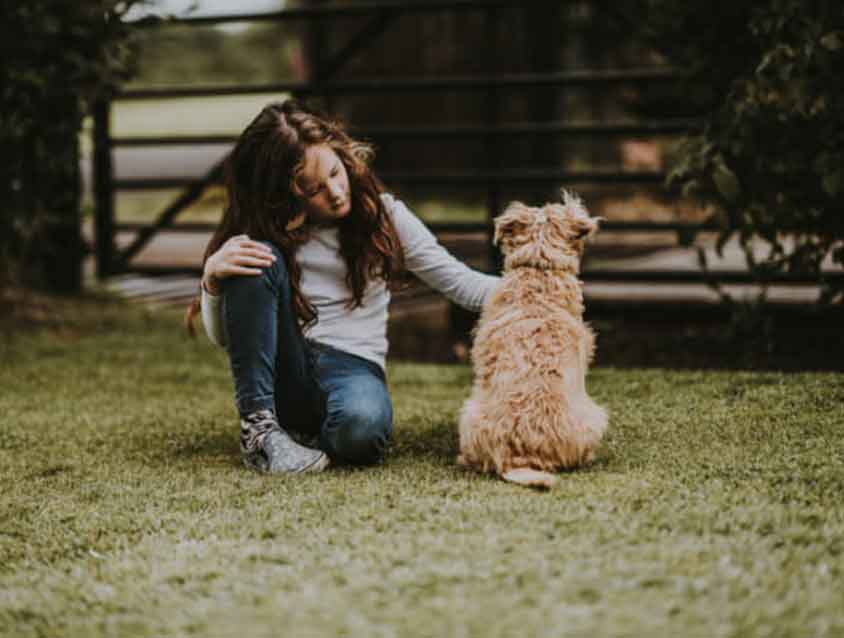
(317, 466)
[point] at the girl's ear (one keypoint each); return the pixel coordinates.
(297, 221)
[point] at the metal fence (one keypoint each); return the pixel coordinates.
(491, 131)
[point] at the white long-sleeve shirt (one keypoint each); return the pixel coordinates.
(363, 330)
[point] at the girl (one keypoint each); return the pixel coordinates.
(295, 287)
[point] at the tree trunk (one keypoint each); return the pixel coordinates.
(56, 245)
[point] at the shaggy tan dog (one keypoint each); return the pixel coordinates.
(529, 414)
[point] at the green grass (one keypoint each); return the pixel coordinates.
(714, 508)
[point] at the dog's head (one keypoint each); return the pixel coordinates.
(548, 237)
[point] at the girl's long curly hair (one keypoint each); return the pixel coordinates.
(263, 200)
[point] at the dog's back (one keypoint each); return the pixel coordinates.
(529, 412)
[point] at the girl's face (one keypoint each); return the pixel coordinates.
(324, 185)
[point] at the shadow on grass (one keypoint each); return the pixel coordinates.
(212, 444)
(436, 442)
(206, 448)
(786, 339)
(438, 445)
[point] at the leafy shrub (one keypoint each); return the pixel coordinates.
(58, 57)
(769, 154)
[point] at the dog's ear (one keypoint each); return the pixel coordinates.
(584, 227)
(511, 221)
(581, 224)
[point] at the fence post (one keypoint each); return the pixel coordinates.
(317, 40)
(103, 188)
(491, 144)
(461, 321)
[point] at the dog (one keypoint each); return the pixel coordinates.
(528, 414)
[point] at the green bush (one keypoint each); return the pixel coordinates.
(58, 57)
(769, 155)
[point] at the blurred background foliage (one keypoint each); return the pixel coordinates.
(764, 81)
(242, 53)
(57, 57)
(535, 38)
(769, 155)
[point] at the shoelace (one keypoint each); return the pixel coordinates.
(255, 428)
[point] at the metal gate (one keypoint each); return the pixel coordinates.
(325, 83)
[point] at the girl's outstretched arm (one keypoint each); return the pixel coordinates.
(432, 263)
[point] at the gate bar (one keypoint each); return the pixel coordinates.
(579, 77)
(190, 195)
(329, 10)
(620, 276)
(666, 127)
(455, 179)
(103, 188)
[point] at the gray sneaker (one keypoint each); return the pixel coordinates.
(308, 439)
(266, 447)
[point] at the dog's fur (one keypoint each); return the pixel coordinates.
(529, 414)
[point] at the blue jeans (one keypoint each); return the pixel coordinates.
(318, 390)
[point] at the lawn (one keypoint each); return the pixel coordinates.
(714, 508)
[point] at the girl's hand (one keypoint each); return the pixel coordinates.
(238, 256)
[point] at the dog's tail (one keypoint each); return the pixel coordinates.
(530, 478)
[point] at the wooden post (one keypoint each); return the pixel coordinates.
(544, 23)
(462, 321)
(103, 188)
(493, 116)
(316, 43)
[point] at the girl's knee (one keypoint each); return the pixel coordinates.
(357, 433)
(273, 278)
